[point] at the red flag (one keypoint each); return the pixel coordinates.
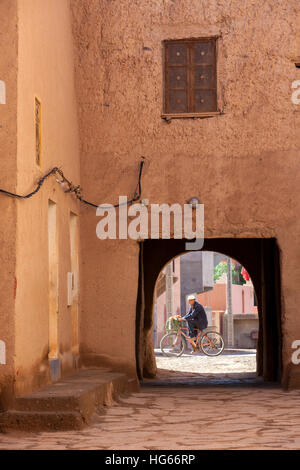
(245, 274)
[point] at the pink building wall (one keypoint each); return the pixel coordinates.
(242, 298)
(161, 311)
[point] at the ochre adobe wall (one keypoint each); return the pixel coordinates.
(8, 180)
(45, 70)
(243, 164)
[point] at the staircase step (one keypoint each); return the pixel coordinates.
(68, 403)
(42, 420)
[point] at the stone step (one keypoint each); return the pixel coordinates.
(68, 403)
(42, 420)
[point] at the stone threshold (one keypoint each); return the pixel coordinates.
(68, 403)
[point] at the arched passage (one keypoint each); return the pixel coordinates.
(261, 259)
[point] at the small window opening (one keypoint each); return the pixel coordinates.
(190, 77)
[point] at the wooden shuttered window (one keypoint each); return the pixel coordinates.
(190, 76)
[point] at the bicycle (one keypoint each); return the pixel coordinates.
(174, 343)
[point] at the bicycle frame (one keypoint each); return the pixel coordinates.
(200, 334)
(183, 334)
(180, 330)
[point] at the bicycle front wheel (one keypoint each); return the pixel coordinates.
(172, 345)
(212, 343)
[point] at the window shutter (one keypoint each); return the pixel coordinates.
(203, 76)
(176, 61)
(190, 76)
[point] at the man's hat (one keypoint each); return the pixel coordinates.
(191, 297)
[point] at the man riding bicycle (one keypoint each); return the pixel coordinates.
(175, 341)
(196, 319)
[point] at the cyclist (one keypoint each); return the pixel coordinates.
(196, 319)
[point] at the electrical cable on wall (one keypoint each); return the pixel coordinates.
(76, 190)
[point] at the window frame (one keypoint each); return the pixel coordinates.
(38, 130)
(190, 114)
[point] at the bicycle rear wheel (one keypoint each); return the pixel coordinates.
(212, 343)
(172, 345)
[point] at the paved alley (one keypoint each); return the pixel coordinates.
(226, 410)
(219, 417)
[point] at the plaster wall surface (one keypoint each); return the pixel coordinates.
(216, 298)
(45, 71)
(161, 310)
(8, 180)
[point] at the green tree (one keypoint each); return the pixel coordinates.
(237, 277)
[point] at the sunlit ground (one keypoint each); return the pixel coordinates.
(230, 361)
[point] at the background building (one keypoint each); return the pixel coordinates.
(193, 273)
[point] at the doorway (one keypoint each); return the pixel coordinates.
(261, 259)
(222, 288)
(53, 281)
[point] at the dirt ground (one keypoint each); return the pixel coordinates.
(217, 402)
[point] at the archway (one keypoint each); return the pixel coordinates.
(261, 259)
